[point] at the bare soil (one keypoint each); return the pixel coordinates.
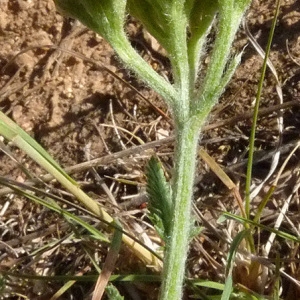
(55, 84)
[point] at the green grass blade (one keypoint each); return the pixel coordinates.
(228, 288)
(55, 207)
(87, 278)
(11, 131)
(279, 233)
(208, 284)
(256, 110)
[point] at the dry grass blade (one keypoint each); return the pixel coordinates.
(108, 266)
(224, 178)
(290, 55)
(286, 204)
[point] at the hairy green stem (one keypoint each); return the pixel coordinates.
(137, 64)
(182, 186)
(230, 15)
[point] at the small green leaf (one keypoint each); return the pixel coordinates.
(159, 193)
(195, 230)
(112, 293)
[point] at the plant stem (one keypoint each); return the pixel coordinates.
(182, 186)
(137, 64)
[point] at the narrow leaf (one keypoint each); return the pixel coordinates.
(230, 263)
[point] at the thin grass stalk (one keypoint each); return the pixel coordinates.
(256, 111)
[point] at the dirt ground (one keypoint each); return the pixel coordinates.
(70, 102)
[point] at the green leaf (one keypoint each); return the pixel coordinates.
(159, 193)
(112, 293)
(195, 230)
(104, 17)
